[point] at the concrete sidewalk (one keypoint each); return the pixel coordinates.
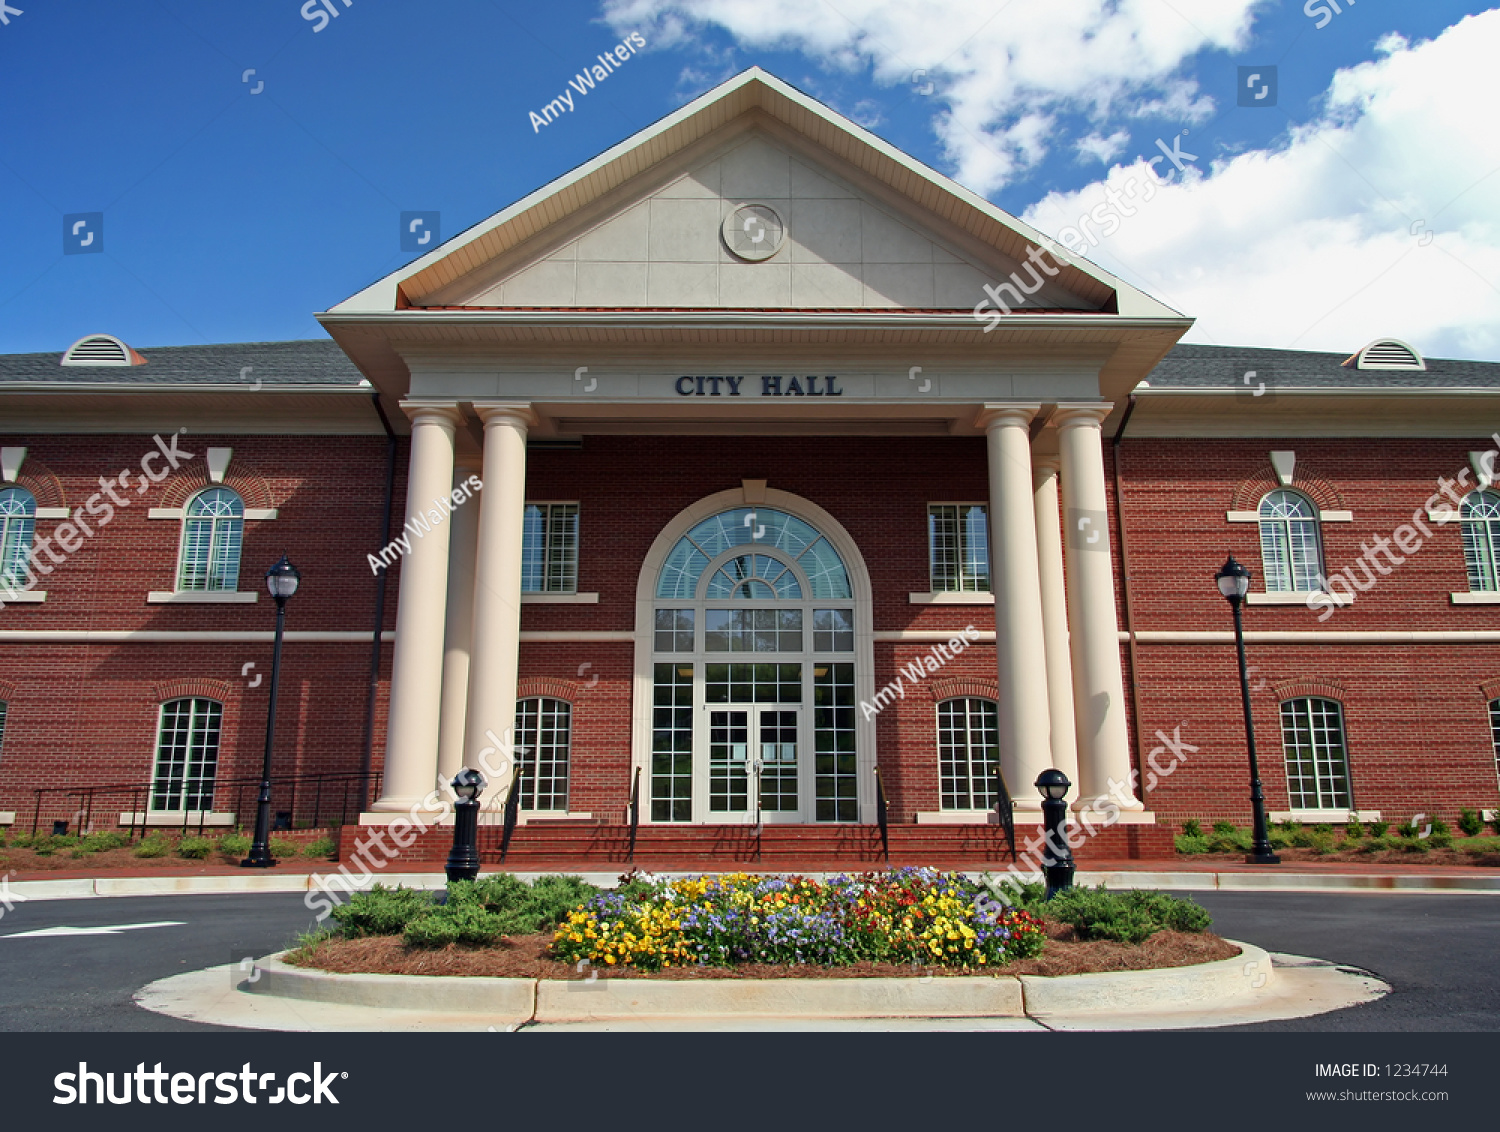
(1178, 875)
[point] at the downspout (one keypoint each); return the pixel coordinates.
(1135, 688)
(367, 758)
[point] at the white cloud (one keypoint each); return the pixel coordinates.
(1097, 147)
(1005, 74)
(1320, 244)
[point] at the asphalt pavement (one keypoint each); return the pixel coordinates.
(1438, 952)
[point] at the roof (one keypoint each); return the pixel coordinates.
(1224, 367)
(286, 364)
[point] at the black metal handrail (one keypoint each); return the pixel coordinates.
(882, 817)
(139, 796)
(1005, 813)
(635, 810)
(512, 812)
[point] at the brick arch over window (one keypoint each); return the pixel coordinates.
(1250, 491)
(193, 688)
(7, 690)
(40, 480)
(242, 478)
(1310, 686)
(958, 687)
(553, 687)
(1490, 689)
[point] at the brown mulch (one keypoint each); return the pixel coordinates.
(119, 861)
(524, 957)
(1437, 858)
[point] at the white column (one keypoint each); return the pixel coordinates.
(417, 661)
(458, 632)
(1055, 617)
(1098, 683)
(1019, 640)
(495, 652)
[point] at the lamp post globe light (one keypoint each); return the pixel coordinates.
(281, 580)
(463, 859)
(1234, 583)
(1054, 785)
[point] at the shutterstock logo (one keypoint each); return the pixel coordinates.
(152, 1086)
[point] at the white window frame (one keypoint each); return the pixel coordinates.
(189, 762)
(17, 538)
(968, 586)
(1481, 540)
(219, 528)
(1297, 797)
(529, 747)
(555, 578)
(973, 788)
(1289, 581)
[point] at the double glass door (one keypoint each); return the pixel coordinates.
(755, 769)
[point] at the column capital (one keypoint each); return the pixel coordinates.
(1075, 416)
(441, 412)
(516, 414)
(1044, 464)
(1000, 416)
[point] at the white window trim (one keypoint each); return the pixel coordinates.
(1323, 516)
(525, 816)
(202, 597)
(180, 513)
(561, 597)
(1317, 817)
(170, 818)
(952, 597)
(52, 513)
(1476, 597)
(539, 597)
(22, 597)
(957, 597)
(957, 817)
(1295, 597)
(7, 817)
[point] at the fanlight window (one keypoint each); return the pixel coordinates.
(17, 526)
(752, 575)
(211, 539)
(1289, 545)
(1481, 532)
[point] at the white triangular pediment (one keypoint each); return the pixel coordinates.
(837, 246)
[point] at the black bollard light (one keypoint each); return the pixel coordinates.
(1054, 786)
(463, 859)
(282, 580)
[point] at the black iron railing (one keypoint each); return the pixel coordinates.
(1005, 813)
(882, 817)
(512, 812)
(298, 801)
(635, 810)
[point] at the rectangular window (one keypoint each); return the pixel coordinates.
(187, 756)
(958, 543)
(672, 743)
(835, 771)
(674, 630)
(752, 630)
(549, 548)
(833, 630)
(968, 753)
(752, 683)
(543, 738)
(1317, 763)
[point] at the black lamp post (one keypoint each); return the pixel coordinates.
(463, 859)
(1054, 785)
(281, 580)
(1234, 584)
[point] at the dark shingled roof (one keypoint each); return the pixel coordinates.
(315, 362)
(1205, 367)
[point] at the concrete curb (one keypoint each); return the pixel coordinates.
(1222, 983)
(77, 888)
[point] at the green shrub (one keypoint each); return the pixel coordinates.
(1128, 917)
(1289, 826)
(1469, 823)
(1442, 840)
(1028, 896)
(322, 847)
(1191, 828)
(1304, 838)
(234, 845)
(1416, 844)
(283, 847)
(103, 841)
(1495, 821)
(1228, 839)
(381, 911)
(1191, 843)
(154, 845)
(1224, 828)
(1379, 828)
(1279, 839)
(195, 848)
(1440, 829)
(1353, 831)
(461, 922)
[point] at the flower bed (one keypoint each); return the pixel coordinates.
(909, 916)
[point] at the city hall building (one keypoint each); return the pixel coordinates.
(758, 475)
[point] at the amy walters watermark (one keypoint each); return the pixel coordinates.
(420, 524)
(1100, 814)
(495, 760)
(587, 79)
(1379, 560)
(917, 671)
(100, 508)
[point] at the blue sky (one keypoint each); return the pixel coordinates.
(231, 216)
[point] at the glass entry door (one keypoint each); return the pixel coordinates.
(754, 769)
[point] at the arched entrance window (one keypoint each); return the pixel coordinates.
(753, 664)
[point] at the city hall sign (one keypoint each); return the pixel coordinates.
(771, 385)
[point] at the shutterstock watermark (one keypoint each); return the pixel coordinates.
(1379, 560)
(160, 1086)
(420, 524)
